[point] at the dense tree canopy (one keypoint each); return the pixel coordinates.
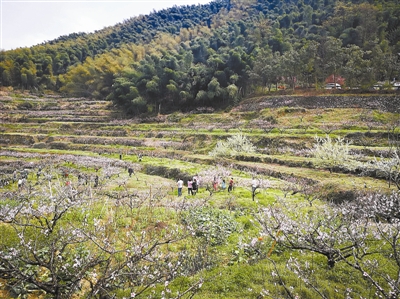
(214, 54)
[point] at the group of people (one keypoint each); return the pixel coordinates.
(222, 184)
(194, 183)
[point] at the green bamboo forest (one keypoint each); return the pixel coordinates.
(216, 54)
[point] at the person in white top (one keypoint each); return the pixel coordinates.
(180, 186)
(254, 186)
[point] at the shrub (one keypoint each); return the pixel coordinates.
(333, 153)
(235, 145)
(214, 225)
(59, 145)
(175, 117)
(40, 145)
(25, 106)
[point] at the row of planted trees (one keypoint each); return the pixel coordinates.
(316, 63)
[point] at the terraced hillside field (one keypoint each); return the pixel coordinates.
(88, 146)
(282, 128)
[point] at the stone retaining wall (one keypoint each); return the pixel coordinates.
(379, 102)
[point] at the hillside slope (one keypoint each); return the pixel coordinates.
(217, 54)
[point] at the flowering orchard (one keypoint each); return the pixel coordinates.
(66, 240)
(363, 234)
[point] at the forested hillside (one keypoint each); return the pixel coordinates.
(213, 55)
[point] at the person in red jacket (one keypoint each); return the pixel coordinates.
(230, 187)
